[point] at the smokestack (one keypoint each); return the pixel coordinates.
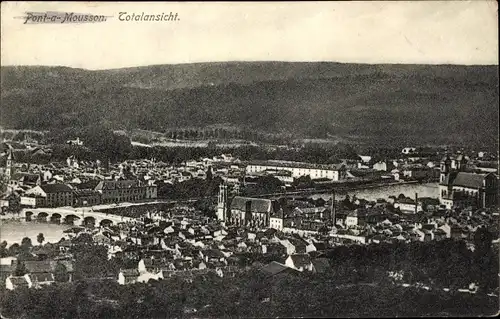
(224, 187)
(416, 203)
(333, 207)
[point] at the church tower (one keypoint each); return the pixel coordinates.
(461, 163)
(9, 168)
(222, 203)
(445, 168)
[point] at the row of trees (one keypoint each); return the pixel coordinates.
(217, 133)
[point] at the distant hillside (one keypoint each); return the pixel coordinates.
(375, 103)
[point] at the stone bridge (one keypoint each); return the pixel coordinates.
(73, 216)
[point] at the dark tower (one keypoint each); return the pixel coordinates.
(416, 203)
(9, 168)
(333, 212)
(445, 168)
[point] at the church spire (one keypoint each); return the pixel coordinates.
(9, 170)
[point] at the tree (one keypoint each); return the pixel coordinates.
(14, 249)
(26, 244)
(20, 269)
(61, 273)
(483, 258)
(3, 183)
(209, 173)
(40, 238)
(4, 252)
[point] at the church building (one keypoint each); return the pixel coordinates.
(246, 211)
(459, 188)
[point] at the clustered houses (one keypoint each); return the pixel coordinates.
(180, 242)
(188, 250)
(93, 184)
(74, 185)
(357, 220)
(35, 273)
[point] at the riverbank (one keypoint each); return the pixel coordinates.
(14, 231)
(343, 189)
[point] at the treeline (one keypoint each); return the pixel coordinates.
(213, 133)
(445, 264)
(120, 150)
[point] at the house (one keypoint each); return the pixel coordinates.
(408, 150)
(54, 195)
(356, 218)
(25, 179)
(151, 265)
(15, 282)
(9, 202)
(42, 271)
(276, 269)
(86, 197)
(298, 169)
(124, 190)
(381, 166)
(128, 276)
(321, 265)
(213, 255)
(301, 262)
(408, 205)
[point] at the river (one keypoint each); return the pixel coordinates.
(372, 194)
(14, 231)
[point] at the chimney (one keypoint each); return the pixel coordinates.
(333, 213)
(416, 203)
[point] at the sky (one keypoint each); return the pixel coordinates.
(417, 32)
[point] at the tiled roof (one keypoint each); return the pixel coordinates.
(257, 204)
(56, 188)
(301, 260)
(41, 277)
(275, 267)
(38, 266)
(117, 184)
(130, 272)
(470, 180)
(321, 265)
(290, 164)
(18, 281)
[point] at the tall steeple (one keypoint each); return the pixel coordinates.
(9, 168)
(445, 168)
(222, 203)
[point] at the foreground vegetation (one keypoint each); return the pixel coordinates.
(356, 284)
(248, 295)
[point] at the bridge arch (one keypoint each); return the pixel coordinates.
(71, 219)
(89, 221)
(106, 222)
(42, 216)
(55, 218)
(28, 215)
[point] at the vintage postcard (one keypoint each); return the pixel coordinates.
(249, 159)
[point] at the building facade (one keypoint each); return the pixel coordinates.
(458, 188)
(124, 190)
(49, 195)
(315, 171)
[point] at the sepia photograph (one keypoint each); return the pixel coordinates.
(314, 159)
